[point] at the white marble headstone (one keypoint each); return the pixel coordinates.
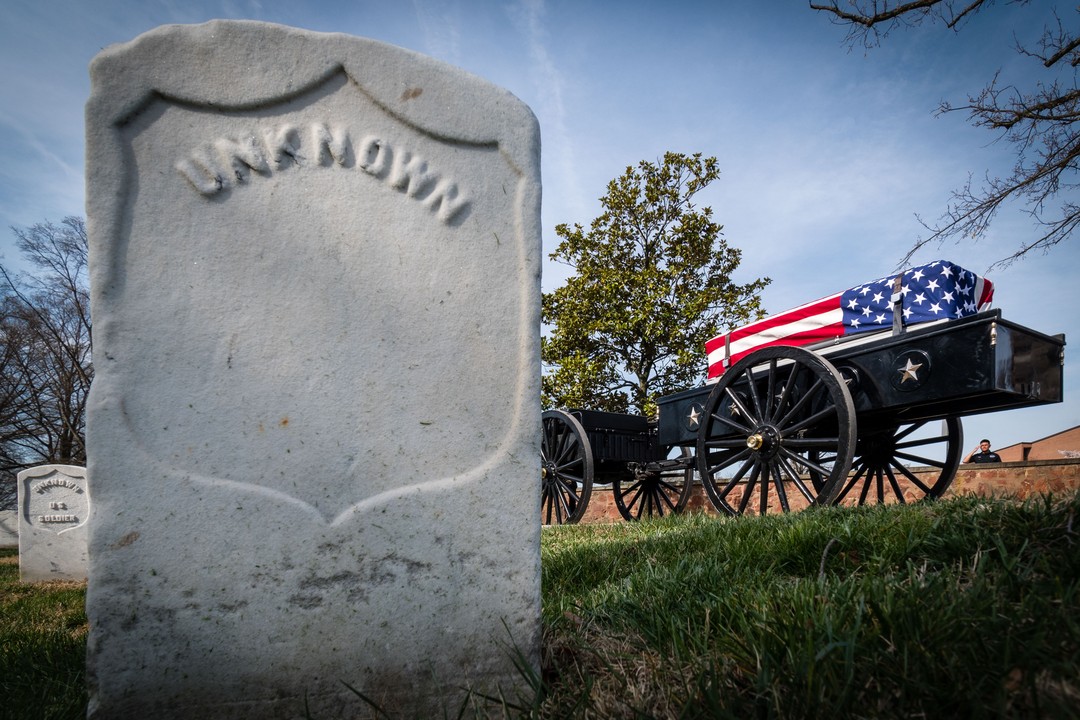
(53, 511)
(313, 431)
(9, 528)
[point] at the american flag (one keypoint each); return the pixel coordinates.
(937, 291)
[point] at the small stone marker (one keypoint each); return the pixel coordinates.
(9, 528)
(53, 511)
(314, 428)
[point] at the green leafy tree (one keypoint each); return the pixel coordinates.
(652, 284)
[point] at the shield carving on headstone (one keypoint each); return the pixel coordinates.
(310, 288)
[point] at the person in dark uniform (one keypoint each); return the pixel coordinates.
(982, 454)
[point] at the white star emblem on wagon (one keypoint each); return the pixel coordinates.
(909, 371)
(694, 418)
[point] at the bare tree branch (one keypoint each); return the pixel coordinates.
(879, 12)
(45, 352)
(1039, 122)
(872, 20)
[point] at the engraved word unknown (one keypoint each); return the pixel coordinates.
(228, 161)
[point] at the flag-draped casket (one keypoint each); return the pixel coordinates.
(937, 291)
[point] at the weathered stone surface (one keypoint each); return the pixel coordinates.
(54, 508)
(9, 529)
(313, 432)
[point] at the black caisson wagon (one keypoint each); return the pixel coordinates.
(800, 415)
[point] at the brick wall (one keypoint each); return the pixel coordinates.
(1021, 478)
(1018, 478)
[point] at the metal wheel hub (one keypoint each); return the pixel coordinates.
(765, 441)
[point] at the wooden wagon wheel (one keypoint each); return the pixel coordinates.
(655, 493)
(772, 421)
(879, 467)
(566, 468)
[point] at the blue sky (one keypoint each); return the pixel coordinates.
(828, 154)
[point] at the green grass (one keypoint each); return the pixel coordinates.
(42, 646)
(966, 608)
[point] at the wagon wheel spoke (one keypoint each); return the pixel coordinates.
(748, 492)
(566, 468)
(813, 420)
(894, 486)
(727, 459)
(912, 459)
(749, 464)
(781, 494)
(733, 443)
(798, 409)
(752, 390)
(741, 408)
(920, 459)
(914, 479)
(783, 401)
(774, 421)
(631, 498)
(658, 489)
(818, 467)
(638, 499)
(860, 472)
(870, 477)
(562, 497)
(794, 476)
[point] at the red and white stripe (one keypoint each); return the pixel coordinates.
(808, 324)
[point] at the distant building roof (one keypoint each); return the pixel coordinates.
(1060, 445)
